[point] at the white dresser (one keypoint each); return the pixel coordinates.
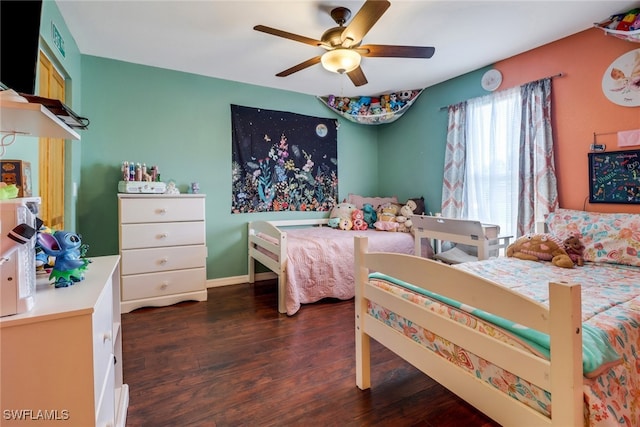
(163, 249)
(61, 362)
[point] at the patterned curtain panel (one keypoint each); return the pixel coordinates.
(538, 184)
(454, 162)
(283, 161)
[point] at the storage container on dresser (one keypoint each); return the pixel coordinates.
(163, 249)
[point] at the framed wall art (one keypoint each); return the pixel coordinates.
(614, 177)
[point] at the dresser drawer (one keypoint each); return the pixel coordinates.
(135, 236)
(102, 338)
(161, 210)
(166, 283)
(106, 408)
(136, 261)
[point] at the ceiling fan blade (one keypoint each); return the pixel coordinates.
(364, 20)
(287, 35)
(357, 77)
(391, 51)
(301, 66)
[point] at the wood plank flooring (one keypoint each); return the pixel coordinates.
(234, 361)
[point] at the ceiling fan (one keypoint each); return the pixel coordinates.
(343, 44)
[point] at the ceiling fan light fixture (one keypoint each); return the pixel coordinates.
(341, 60)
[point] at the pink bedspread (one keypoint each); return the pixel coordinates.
(320, 261)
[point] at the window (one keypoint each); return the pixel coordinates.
(499, 165)
(491, 172)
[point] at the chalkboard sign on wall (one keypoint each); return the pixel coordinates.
(614, 177)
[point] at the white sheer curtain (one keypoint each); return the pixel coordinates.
(499, 165)
(491, 176)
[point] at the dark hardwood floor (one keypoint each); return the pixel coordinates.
(234, 361)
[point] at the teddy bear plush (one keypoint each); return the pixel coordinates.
(402, 224)
(540, 247)
(574, 248)
(405, 216)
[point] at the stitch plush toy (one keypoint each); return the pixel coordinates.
(370, 215)
(540, 247)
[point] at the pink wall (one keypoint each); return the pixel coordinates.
(579, 106)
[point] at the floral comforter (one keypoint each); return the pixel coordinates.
(610, 303)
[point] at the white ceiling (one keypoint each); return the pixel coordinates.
(216, 38)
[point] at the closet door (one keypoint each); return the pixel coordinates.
(51, 157)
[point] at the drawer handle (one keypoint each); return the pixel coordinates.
(163, 261)
(106, 337)
(161, 211)
(163, 235)
(164, 285)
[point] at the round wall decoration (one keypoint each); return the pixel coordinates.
(491, 80)
(621, 81)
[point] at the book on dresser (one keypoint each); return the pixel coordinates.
(163, 249)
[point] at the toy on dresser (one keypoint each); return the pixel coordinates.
(69, 252)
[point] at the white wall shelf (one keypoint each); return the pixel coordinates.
(31, 119)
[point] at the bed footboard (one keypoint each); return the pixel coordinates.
(561, 375)
(267, 244)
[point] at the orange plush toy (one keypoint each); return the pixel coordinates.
(540, 247)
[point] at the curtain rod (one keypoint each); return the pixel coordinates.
(532, 81)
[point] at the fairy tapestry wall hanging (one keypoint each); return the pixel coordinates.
(282, 161)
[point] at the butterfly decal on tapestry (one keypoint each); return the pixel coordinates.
(282, 161)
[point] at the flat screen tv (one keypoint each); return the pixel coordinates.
(19, 36)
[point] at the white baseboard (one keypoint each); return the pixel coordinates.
(236, 280)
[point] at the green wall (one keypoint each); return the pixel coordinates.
(411, 150)
(182, 123)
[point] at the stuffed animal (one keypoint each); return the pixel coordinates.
(70, 263)
(370, 215)
(387, 213)
(540, 247)
(345, 224)
(406, 211)
(574, 248)
(334, 222)
(402, 224)
(358, 220)
(342, 210)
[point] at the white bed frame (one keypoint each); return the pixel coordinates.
(278, 251)
(561, 375)
(468, 232)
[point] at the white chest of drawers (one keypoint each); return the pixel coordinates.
(61, 362)
(163, 249)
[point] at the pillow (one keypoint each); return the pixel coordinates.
(420, 209)
(360, 201)
(607, 237)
